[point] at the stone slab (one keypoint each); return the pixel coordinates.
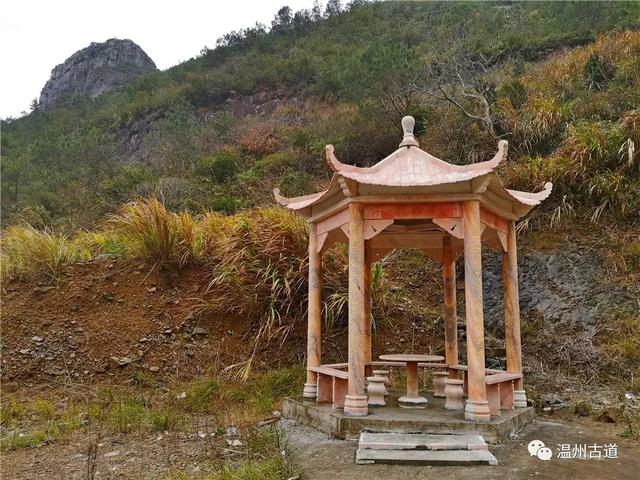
(392, 418)
(421, 441)
(426, 457)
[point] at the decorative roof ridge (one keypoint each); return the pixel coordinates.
(500, 156)
(282, 200)
(536, 197)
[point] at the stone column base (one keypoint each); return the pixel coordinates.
(477, 411)
(519, 399)
(356, 405)
(310, 391)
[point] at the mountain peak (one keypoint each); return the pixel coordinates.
(96, 69)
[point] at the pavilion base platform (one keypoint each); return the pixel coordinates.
(394, 418)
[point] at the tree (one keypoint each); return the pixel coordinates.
(465, 79)
(35, 105)
(316, 11)
(332, 9)
(283, 21)
(385, 72)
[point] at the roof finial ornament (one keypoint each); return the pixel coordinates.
(408, 140)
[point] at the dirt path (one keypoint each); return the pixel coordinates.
(195, 455)
(119, 457)
(327, 459)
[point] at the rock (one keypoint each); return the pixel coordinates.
(199, 331)
(152, 289)
(232, 431)
(94, 70)
(120, 361)
(37, 338)
(551, 399)
(25, 351)
(154, 369)
(562, 287)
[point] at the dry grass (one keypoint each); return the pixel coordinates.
(146, 229)
(583, 139)
(25, 249)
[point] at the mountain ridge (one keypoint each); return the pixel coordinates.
(96, 69)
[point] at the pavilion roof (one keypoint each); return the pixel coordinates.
(410, 170)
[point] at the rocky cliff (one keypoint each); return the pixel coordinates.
(96, 69)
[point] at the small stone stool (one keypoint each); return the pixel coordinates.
(375, 391)
(439, 379)
(387, 381)
(453, 394)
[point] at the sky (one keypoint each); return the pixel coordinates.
(35, 36)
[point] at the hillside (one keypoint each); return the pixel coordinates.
(256, 111)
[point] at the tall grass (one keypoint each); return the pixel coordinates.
(24, 249)
(146, 229)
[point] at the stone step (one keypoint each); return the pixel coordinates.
(425, 457)
(421, 441)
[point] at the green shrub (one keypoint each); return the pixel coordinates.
(221, 166)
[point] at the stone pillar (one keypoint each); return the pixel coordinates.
(450, 313)
(367, 307)
(477, 407)
(512, 315)
(314, 320)
(356, 399)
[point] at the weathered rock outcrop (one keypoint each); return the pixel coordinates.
(94, 70)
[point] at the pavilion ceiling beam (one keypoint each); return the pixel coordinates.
(416, 211)
(421, 227)
(493, 220)
(502, 238)
(321, 238)
(415, 241)
(333, 237)
(336, 220)
(492, 202)
(453, 226)
(374, 227)
(434, 253)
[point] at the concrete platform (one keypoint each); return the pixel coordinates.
(433, 419)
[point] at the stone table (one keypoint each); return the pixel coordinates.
(412, 398)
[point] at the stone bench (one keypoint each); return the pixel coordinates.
(332, 385)
(333, 379)
(464, 368)
(500, 391)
